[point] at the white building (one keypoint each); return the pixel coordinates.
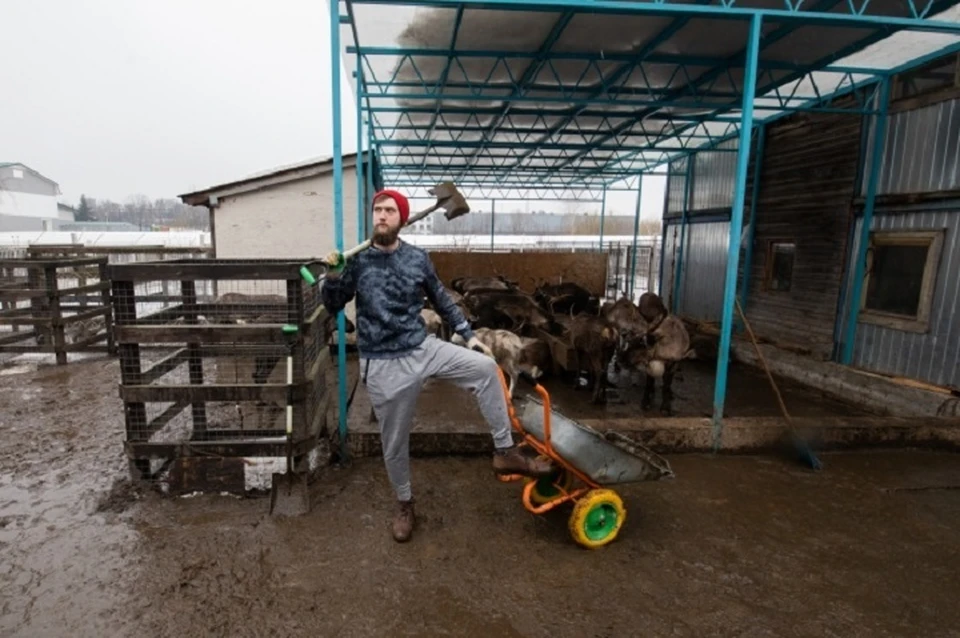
(28, 200)
(283, 213)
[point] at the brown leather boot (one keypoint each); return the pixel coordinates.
(512, 461)
(403, 522)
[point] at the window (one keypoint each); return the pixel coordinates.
(779, 271)
(18, 173)
(900, 278)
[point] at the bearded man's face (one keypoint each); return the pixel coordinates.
(386, 221)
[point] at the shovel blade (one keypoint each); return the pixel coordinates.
(289, 495)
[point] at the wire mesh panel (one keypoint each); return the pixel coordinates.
(204, 359)
(54, 305)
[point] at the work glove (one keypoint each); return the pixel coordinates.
(335, 263)
(475, 344)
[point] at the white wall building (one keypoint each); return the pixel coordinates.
(28, 200)
(283, 213)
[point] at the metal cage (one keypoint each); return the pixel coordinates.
(202, 359)
(64, 302)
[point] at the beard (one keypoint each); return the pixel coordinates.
(385, 236)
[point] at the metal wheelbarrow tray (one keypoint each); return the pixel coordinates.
(581, 455)
(608, 459)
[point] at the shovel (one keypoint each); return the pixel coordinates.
(448, 198)
(289, 489)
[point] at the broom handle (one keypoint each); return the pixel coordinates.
(763, 361)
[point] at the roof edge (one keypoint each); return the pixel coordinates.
(32, 170)
(257, 181)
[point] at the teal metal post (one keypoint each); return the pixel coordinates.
(361, 184)
(338, 215)
(663, 249)
(751, 235)
(636, 230)
(678, 275)
(879, 141)
(370, 189)
(493, 214)
(603, 213)
(736, 226)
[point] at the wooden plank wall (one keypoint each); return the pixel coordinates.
(527, 269)
(806, 190)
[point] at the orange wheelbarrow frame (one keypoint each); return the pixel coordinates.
(545, 449)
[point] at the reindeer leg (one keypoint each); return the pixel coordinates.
(666, 404)
(649, 389)
(576, 370)
(598, 394)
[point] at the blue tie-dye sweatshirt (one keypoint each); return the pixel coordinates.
(389, 287)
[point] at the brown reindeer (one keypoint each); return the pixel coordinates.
(594, 340)
(658, 353)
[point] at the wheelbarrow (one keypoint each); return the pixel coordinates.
(587, 464)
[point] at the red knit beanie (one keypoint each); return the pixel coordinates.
(402, 204)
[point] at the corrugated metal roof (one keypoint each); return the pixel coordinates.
(563, 96)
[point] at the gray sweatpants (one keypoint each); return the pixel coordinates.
(395, 384)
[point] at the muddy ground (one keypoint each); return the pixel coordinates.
(734, 546)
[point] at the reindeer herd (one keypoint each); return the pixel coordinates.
(522, 330)
(518, 327)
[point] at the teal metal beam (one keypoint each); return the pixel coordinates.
(736, 223)
(860, 263)
(725, 138)
(517, 130)
(614, 148)
(644, 56)
(338, 218)
(657, 103)
(538, 112)
(754, 196)
(370, 182)
(636, 231)
(493, 216)
(536, 64)
(603, 214)
(361, 195)
(663, 249)
(442, 83)
(718, 70)
(913, 19)
(678, 269)
(621, 74)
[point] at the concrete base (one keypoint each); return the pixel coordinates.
(872, 393)
(463, 432)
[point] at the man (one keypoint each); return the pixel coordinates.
(397, 356)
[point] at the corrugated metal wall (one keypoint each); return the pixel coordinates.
(704, 269)
(676, 182)
(935, 356)
(713, 177)
(921, 151)
(807, 185)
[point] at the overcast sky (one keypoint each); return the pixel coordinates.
(116, 97)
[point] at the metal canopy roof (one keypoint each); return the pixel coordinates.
(575, 96)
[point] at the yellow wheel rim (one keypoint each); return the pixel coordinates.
(597, 518)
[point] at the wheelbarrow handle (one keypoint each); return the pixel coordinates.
(545, 398)
(308, 276)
